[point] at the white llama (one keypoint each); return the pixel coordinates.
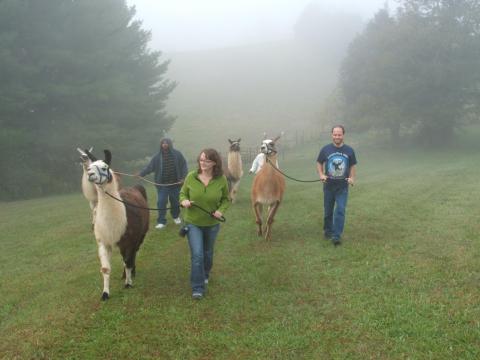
(121, 219)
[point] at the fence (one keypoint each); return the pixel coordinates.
(288, 141)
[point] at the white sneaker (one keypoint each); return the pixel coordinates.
(206, 281)
(177, 221)
(197, 296)
(160, 226)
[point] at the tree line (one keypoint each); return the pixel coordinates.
(74, 73)
(414, 72)
(81, 73)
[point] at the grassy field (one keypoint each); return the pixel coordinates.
(404, 284)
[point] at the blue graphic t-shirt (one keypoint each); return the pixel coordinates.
(338, 161)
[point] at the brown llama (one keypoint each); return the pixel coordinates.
(234, 170)
(121, 219)
(267, 188)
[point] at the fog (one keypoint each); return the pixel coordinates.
(225, 69)
(183, 25)
(240, 68)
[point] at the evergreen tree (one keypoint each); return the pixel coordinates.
(74, 73)
(417, 70)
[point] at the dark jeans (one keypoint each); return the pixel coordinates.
(334, 205)
(201, 240)
(164, 194)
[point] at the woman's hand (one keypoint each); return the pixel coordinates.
(186, 203)
(217, 214)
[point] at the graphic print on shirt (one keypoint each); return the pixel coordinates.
(337, 166)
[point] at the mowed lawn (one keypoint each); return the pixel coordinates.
(404, 284)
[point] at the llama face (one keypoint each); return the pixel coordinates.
(234, 145)
(99, 172)
(268, 147)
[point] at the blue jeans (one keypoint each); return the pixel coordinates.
(334, 206)
(201, 240)
(164, 194)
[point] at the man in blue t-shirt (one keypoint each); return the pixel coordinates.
(336, 167)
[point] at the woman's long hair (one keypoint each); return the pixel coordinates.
(213, 155)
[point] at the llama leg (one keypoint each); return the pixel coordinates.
(257, 208)
(233, 195)
(128, 277)
(271, 215)
(105, 254)
(129, 268)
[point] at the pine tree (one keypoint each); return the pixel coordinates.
(74, 73)
(417, 70)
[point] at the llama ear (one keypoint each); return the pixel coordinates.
(278, 137)
(230, 141)
(108, 157)
(265, 136)
(239, 139)
(90, 155)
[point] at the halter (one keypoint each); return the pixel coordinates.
(235, 146)
(270, 149)
(102, 173)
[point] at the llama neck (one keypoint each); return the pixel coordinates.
(106, 192)
(270, 162)
(234, 164)
(88, 188)
(110, 188)
(111, 214)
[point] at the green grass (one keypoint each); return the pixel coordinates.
(404, 285)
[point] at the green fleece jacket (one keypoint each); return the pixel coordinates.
(212, 197)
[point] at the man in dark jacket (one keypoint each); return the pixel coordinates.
(170, 169)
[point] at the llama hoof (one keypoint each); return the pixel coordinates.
(128, 286)
(105, 296)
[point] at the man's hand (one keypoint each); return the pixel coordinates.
(350, 180)
(323, 177)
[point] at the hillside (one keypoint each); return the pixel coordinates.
(404, 284)
(244, 91)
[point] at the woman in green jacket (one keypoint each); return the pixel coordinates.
(205, 188)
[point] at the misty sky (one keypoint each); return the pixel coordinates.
(182, 25)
